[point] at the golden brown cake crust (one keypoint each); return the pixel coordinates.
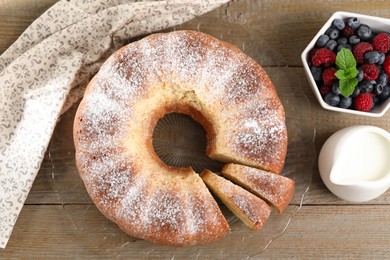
(187, 72)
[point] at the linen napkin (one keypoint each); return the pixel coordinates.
(46, 71)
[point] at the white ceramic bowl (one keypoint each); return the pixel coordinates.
(377, 24)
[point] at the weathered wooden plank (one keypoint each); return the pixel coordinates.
(16, 16)
(82, 231)
(329, 232)
(285, 26)
(348, 232)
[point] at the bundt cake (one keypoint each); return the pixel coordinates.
(187, 72)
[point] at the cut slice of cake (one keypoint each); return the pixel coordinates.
(273, 188)
(249, 208)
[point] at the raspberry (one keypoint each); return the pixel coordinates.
(386, 66)
(370, 71)
(325, 89)
(323, 55)
(347, 31)
(363, 102)
(381, 42)
(328, 76)
(359, 50)
(312, 52)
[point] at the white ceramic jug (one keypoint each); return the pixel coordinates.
(354, 163)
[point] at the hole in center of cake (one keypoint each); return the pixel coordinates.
(180, 141)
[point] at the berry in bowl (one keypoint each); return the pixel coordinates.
(348, 64)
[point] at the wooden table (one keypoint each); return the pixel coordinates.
(59, 220)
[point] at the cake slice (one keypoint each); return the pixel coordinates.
(273, 188)
(249, 208)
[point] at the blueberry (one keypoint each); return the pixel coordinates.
(339, 24)
(345, 102)
(360, 74)
(364, 32)
(366, 86)
(316, 72)
(340, 46)
(336, 88)
(378, 89)
(382, 79)
(332, 99)
(372, 57)
(322, 40)
(342, 40)
(385, 93)
(331, 45)
(353, 40)
(333, 33)
(356, 92)
(382, 59)
(353, 22)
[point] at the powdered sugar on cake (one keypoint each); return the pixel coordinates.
(185, 212)
(270, 185)
(133, 194)
(260, 128)
(252, 207)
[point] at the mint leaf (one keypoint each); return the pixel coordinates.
(345, 59)
(347, 86)
(347, 72)
(341, 74)
(351, 72)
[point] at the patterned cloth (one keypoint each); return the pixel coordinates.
(46, 70)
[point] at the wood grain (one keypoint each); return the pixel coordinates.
(287, 26)
(16, 16)
(59, 220)
(80, 232)
(329, 232)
